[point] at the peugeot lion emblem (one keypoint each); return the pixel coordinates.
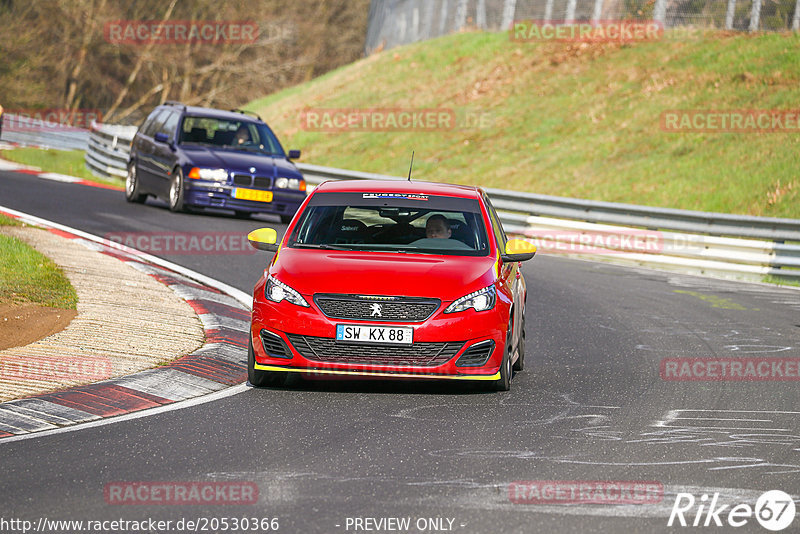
(252, 170)
(376, 310)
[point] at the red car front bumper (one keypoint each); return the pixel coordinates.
(292, 338)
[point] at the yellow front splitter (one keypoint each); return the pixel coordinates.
(274, 368)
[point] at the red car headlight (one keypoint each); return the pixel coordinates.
(277, 291)
(480, 300)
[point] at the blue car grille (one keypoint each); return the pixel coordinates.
(246, 180)
(242, 179)
(262, 182)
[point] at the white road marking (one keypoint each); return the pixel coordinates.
(54, 176)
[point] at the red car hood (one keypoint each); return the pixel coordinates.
(413, 275)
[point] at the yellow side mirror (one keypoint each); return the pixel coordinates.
(518, 250)
(263, 239)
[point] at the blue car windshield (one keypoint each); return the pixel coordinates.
(228, 134)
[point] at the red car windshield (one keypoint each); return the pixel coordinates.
(419, 224)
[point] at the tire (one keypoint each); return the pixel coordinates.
(519, 365)
(242, 214)
(132, 189)
(176, 192)
(506, 370)
(262, 379)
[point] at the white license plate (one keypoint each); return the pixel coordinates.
(399, 335)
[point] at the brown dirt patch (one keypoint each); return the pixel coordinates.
(24, 323)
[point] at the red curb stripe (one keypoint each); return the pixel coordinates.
(232, 377)
(103, 399)
(169, 280)
(231, 337)
(62, 233)
(139, 394)
(121, 256)
(212, 367)
(5, 434)
(217, 308)
(101, 186)
(114, 397)
(26, 171)
(81, 401)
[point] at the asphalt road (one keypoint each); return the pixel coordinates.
(590, 406)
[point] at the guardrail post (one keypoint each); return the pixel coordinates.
(461, 14)
(414, 24)
(570, 13)
(597, 12)
(660, 12)
(548, 10)
(755, 15)
(443, 17)
(796, 19)
(480, 15)
(427, 20)
(729, 14)
(509, 10)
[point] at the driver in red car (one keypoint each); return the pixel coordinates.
(437, 227)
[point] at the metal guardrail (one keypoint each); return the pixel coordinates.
(108, 149)
(688, 241)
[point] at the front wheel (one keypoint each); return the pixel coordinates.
(176, 192)
(132, 190)
(506, 371)
(260, 378)
(519, 365)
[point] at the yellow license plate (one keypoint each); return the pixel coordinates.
(252, 194)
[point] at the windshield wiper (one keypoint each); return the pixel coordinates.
(253, 149)
(319, 247)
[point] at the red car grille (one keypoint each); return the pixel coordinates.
(395, 309)
(325, 349)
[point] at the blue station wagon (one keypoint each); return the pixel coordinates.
(195, 157)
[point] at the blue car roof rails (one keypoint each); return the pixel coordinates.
(175, 103)
(245, 112)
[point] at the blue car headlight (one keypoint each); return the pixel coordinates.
(290, 183)
(277, 291)
(481, 300)
(214, 175)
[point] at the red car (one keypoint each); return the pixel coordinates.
(391, 279)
